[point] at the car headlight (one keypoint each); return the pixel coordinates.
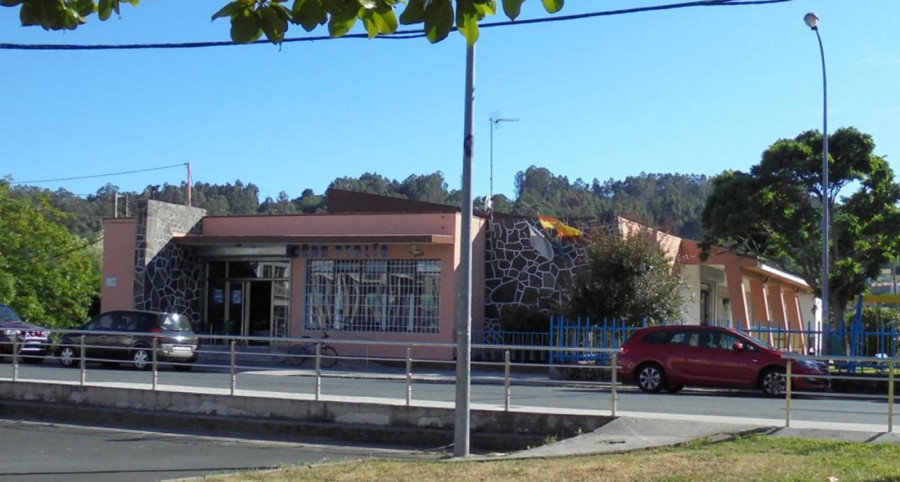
(10, 332)
(809, 364)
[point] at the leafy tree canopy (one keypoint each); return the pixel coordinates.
(775, 211)
(626, 279)
(251, 19)
(672, 202)
(47, 274)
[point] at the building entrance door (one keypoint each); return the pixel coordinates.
(236, 319)
(247, 307)
(258, 319)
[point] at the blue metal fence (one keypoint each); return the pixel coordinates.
(566, 334)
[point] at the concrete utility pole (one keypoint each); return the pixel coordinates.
(190, 186)
(116, 197)
(464, 299)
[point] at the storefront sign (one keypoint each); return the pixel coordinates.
(344, 251)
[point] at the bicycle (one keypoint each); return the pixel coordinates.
(300, 352)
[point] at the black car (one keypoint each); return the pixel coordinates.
(127, 335)
(31, 340)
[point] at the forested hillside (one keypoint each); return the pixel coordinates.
(673, 202)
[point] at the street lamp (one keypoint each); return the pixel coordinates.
(813, 22)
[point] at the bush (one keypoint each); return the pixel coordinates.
(524, 318)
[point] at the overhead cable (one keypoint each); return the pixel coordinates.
(400, 35)
(92, 176)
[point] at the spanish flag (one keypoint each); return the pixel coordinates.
(562, 230)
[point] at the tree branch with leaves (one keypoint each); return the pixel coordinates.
(251, 19)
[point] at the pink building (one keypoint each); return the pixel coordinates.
(385, 269)
(368, 276)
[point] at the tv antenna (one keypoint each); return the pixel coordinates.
(495, 124)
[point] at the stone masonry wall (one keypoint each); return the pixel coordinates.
(518, 275)
(167, 276)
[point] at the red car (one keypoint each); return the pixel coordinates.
(670, 357)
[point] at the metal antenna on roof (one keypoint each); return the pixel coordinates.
(495, 123)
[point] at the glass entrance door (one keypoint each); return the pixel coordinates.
(248, 298)
(259, 308)
(236, 319)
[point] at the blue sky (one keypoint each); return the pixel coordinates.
(692, 91)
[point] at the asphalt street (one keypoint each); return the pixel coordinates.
(32, 451)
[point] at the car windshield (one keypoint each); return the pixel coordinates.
(758, 341)
(8, 314)
(175, 322)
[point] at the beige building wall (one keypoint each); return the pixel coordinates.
(117, 292)
(690, 293)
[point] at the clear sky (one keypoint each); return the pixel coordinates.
(691, 91)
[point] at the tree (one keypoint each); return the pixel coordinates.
(429, 188)
(251, 19)
(371, 183)
(309, 202)
(672, 201)
(775, 212)
(282, 205)
(539, 191)
(46, 274)
(626, 279)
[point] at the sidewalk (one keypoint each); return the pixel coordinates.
(636, 431)
(261, 359)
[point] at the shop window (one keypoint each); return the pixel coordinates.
(373, 295)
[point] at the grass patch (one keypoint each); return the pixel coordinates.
(752, 458)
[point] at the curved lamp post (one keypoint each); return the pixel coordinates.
(812, 21)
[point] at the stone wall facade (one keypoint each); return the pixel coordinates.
(167, 277)
(518, 275)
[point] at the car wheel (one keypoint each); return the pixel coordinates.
(773, 382)
(68, 356)
(141, 358)
(650, 377)
(674, 388)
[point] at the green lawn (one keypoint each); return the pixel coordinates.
(752, 458)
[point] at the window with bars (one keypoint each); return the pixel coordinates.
(401, 295)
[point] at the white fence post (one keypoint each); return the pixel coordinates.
(15, 357)
(155, 367)
(408, 375)
(233, 373)
(82, 360)
(506, 391)
(787, 397)
(890, 397)
(615, 381)
(318, 371)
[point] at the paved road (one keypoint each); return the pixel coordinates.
(525, 392)
(50, 452)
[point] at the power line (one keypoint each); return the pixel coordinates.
(79, 247)
(99, 175)
(399, 35)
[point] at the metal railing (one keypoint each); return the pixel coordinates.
(229, 362)
(239, 356)
(875, 371)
